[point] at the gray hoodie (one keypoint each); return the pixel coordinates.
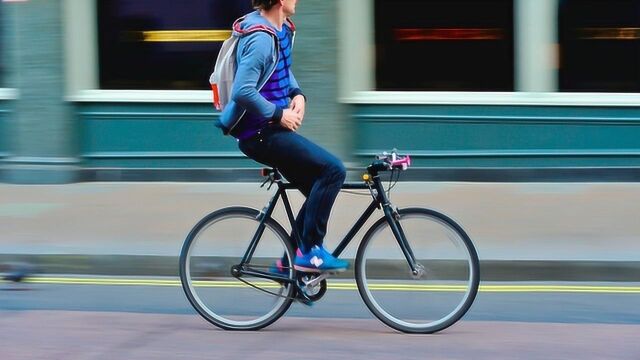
(257, 57)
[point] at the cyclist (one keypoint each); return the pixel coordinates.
(267, 108)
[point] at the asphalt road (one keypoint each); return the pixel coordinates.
(562, 305)
(147, 321)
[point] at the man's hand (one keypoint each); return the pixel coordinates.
(298, 105)
(291, 120)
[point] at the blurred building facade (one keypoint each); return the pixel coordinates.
(493, 90)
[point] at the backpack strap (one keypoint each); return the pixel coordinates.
(290, 24)
(238, 29)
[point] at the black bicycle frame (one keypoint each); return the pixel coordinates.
(379, 201)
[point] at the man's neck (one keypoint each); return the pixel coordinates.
(275, 16)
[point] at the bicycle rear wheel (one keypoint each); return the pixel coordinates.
(432, 300)
(215, 245)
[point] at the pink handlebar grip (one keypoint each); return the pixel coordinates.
(404, 162)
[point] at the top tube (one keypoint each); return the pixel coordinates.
(384, 162)
(352, 185)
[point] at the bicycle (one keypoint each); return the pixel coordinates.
(418, 253)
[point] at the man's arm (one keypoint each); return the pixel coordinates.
(252, 63)
(294, 88)
(298, 100)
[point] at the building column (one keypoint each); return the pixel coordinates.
(536, 43)
(81, 45)
(42, 133)
(356, 46)
(315, 65)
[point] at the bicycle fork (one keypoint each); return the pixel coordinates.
(393, 219)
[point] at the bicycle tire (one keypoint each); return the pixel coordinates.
(378, 279)
(189, 281)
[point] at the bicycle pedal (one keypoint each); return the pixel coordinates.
(303, 299)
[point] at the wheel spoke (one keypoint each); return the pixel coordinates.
(446, 282)
(211, 253)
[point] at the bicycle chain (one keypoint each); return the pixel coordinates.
(270, 292)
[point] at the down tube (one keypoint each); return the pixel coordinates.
(355, 228)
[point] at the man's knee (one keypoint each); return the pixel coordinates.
(337, 170)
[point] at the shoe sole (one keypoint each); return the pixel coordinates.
(316, 270)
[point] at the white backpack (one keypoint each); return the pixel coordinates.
(224, 72)
(221, 79)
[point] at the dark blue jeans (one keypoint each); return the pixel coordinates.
(318, 174)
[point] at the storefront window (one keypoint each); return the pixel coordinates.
(444, 45)
(162, 44)
(600, 45)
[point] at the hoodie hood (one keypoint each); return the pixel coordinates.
(254, 21)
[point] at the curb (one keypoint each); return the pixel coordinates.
(149, 265)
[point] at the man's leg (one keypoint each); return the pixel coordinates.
(316, 172)
(300, 226)
(323, 194)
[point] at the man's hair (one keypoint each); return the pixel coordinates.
(264, 4)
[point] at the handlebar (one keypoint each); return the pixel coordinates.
(401, 162)
(389, 161)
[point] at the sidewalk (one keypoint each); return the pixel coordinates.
(570, 229)
(106, 335)
(38, 335)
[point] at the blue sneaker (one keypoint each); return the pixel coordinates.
(319, 260)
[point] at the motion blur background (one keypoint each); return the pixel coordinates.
(522, 118)
(476, 90)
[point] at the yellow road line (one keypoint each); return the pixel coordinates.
(341, 285)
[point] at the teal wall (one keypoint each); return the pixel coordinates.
(131, 135)
(501, 136)
(46, 139)
(43, 138)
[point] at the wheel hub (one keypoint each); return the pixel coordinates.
(235, 271)
(419, 272)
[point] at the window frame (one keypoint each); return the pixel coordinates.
(82, 67)
(357, 26)
(356, 58)
(577, 75)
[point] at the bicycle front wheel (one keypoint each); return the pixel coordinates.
(447, 280)
(215, 248)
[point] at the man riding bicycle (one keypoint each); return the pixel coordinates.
(265, 119)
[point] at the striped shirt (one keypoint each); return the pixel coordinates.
(276, 90)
